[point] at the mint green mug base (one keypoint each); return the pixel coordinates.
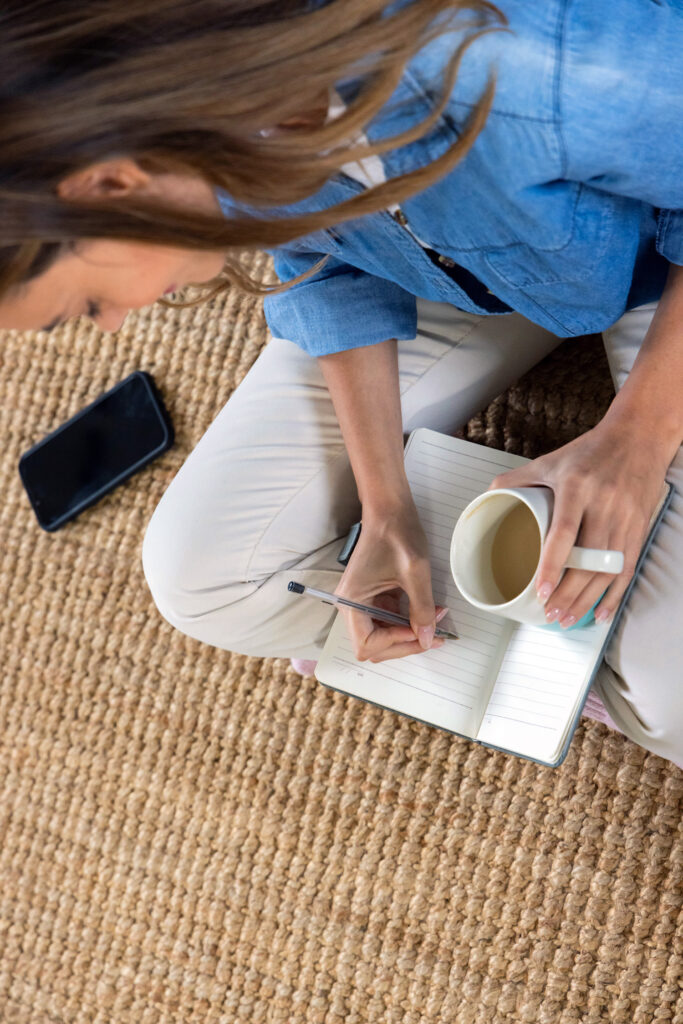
(587, 620)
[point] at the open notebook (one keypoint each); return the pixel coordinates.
(515, 687)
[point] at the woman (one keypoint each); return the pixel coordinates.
(137, 150)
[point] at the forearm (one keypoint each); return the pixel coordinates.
(650, 402)
(364, 386)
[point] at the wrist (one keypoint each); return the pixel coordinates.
(648, 408)
(386, 497)
(630, 421)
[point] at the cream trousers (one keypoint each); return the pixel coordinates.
(269, 489)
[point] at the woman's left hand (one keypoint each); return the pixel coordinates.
(606, 484)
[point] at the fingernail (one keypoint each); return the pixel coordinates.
(553, 614)
(444, 611)
(425, 635)
(543, 592)
(602, 614)
(567, 621)
(438, 642)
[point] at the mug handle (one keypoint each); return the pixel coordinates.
(595, 560)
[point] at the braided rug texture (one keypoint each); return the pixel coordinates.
(193, 837)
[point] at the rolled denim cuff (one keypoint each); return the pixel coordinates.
(670, 235)
(339, 308)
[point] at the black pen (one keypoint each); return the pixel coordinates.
(376, 613)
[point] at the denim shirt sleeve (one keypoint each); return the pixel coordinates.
(670, 235)
(340, 307)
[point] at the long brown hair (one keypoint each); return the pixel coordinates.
(193, 87)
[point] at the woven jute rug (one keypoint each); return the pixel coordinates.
(199, 837)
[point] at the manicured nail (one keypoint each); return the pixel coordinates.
(543, 592)
(567, 621)
(553, 614)
(425, 635)
(602, 614)
(444, 611)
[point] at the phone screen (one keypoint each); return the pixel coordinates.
(94, 451)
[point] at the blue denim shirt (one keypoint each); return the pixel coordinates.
(568, 208)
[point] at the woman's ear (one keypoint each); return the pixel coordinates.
(111, 179)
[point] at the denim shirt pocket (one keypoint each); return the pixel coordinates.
(670, 235)
(551, 279)
(579, 252)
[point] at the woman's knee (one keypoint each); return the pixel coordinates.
(200, 587)
(662, 721)
(187, 578)
(166, 554)
(644, 695)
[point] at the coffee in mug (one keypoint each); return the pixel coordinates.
(515, 551)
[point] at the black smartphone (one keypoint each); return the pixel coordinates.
(96, 450)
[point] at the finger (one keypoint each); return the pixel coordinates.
(385, 643)
(579, 590)
(630, 540)
(523, 476)
(569, 599)
(368, 638)
(568, 594)
(561, 538)
(403, 650)
(418, 587)
(616, 590)
(611, 599)
(390, 601)
(568, 612)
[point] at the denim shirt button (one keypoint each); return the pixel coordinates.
(446, 261)
(400, 218)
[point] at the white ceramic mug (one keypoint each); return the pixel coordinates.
(496, 550)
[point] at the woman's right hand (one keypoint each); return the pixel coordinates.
(390, 557)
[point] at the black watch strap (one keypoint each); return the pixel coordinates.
(349, 544)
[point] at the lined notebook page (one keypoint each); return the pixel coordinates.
(449, 686)
(541, 679)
